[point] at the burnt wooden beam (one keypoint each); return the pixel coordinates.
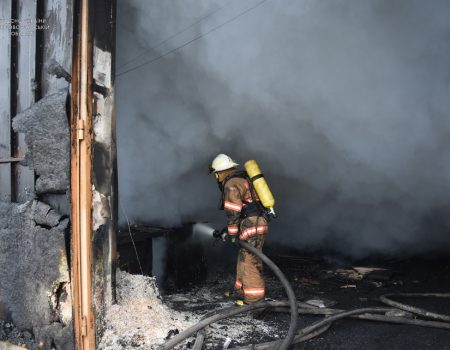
(81, 177)
(94, 169)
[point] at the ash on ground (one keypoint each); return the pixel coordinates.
(143, 320)
(238, 330)
(140, 320)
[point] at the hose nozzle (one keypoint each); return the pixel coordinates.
(216, 234)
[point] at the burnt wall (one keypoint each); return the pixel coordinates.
(35, 292)
(35, 208)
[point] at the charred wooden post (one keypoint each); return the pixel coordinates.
(94, 182)
(81, 184)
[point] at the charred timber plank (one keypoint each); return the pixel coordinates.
(56, 42)
(25, 75)
(5, 100)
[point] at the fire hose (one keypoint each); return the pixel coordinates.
(233, 310)
(289, 291)
(295, 308)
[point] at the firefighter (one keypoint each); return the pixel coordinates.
(245, 221)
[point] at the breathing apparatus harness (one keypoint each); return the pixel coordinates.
(254, 208)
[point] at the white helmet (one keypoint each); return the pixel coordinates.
(222, 162)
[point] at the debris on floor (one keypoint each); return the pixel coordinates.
(239, 330)
(359, 273)
(376, 284)
(12, 338)
(399, 313)
(140, 320)
(321, 303)
(307, 281)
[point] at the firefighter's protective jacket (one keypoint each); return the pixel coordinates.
(237, 195)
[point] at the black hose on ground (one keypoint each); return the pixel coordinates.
(220, 315)
(272, 344)
(201, 335)
(386, 299)
(317, 328)
(314, 328)
(284, 345)
(307, 332)
(369, 317)
(289, 291)
(364, 313)
(306, 309)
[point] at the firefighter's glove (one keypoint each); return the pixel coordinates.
(231, 238)
(225, 236)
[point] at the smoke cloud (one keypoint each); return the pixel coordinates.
(344, 103)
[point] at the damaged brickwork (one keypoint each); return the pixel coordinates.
(35, 291)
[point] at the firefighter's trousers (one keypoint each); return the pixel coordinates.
(249, 274)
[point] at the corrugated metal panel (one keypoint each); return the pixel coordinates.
(5, 107)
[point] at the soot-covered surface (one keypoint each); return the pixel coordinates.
(333, 280)
(35, 292)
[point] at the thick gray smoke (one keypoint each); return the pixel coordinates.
(344, 103)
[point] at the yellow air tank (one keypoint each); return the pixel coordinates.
(260, 185)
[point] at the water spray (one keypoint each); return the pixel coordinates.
(205, 230)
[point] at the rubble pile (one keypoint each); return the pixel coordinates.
(140, 320)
